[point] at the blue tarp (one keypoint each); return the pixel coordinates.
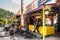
(40, 3)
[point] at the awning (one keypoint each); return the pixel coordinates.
(39, 8)
(51, 2)
(35, 9)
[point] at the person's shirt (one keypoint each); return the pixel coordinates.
(48, 21)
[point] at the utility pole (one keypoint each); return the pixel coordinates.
(22, 14)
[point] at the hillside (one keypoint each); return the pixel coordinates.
(5, 14)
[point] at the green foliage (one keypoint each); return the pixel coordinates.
(4, 14)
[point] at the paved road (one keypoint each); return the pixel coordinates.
(23, 38)
(1, 28)
(15, 38)
(18, 37)
(54, 37)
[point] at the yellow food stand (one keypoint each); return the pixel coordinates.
(47, 20)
